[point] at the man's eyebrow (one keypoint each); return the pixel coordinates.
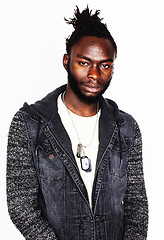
(107, 60)
(89, 59)
(84, 57)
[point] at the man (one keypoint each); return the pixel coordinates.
(74, 159)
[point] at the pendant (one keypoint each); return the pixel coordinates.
(85, 164)
(79, 150)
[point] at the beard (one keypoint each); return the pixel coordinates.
(73, 83)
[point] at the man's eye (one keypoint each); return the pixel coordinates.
(106, 66)
(83, 63)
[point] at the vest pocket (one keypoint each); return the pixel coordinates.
(119, 156)
(49, 165)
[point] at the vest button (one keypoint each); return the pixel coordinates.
(51, 156)
(96, 218)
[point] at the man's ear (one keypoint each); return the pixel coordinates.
(65, 61)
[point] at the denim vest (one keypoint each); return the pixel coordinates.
(63, 198)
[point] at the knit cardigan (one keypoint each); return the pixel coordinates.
(22, 188)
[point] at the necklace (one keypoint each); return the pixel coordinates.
(84, 160)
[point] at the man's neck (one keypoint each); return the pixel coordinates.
(79, 107)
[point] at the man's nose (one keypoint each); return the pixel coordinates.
(94, 73)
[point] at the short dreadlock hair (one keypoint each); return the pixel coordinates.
(87, 24)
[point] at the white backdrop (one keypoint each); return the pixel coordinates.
(32, 44)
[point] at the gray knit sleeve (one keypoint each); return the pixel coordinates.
(135, 202)
(22, 185)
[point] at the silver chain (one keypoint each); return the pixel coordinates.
(75, 126)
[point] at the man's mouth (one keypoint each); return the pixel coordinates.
(92, 88)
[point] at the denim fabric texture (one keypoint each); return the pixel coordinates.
(47, 198)
(63, 197)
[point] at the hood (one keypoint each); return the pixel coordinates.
(46, 107)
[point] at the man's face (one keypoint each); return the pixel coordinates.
(90, 67)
